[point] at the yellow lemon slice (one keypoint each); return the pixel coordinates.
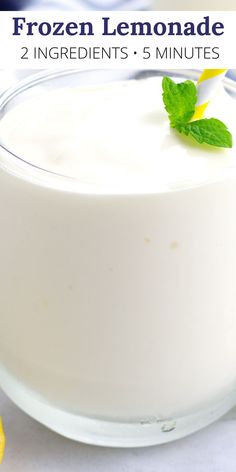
(2, 441)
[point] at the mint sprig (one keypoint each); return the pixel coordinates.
(180, 102)
(210, 131)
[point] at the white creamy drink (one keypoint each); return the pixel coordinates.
(114, 138)
(118, 282)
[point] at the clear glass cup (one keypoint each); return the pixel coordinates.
(100, 340)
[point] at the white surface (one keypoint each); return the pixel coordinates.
(32, 448)
(124, 154)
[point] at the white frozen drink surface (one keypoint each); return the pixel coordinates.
(115, 137)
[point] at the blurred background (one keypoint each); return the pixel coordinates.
(118, 4)
(6, 5)
(10, 5)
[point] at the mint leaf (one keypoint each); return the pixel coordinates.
(180, 100)
(210, 131)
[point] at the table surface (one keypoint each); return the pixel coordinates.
(30, 447)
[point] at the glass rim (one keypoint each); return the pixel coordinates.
(74, 183)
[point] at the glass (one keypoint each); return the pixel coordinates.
(98, 341)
